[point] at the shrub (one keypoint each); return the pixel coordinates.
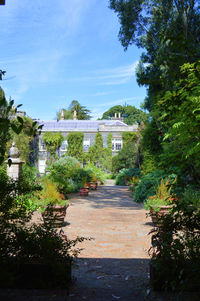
(175, 263)
(75, 145)
(65, 172)
(147, 184)
(125, 176)
(96, 173)
(162, 195)
(126, 158)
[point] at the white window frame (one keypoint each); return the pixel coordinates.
(116, 142)
(64, 146)
(86, 144)
(42, 146)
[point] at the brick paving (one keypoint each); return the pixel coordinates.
(114, 265)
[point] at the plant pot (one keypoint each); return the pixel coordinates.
(93, 185)
(163, 210)
(84, 191)
(55, 215)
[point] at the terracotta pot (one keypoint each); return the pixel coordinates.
(55, 214)
(84, 191)
(163, 210)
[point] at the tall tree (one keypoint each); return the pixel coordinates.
(169, 30)
(82, 112)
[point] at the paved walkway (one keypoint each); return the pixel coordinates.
(113, 266)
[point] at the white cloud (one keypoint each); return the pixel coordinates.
(118, 101)
(112, 76)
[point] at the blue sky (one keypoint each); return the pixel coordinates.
(57, 51)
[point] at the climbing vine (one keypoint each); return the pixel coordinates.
(75, 145)
(52, 142)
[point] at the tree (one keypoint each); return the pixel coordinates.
(82, 112)
(180, 121)
(24, 140)
(130, 114)
(168, 30)
(10, 123)
(126, 158)
(75, 145)
(96, 152)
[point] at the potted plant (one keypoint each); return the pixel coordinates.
(52, 204)
(85, 177)
(84, 189)
(161, 203)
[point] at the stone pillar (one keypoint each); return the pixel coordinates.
(15, 170)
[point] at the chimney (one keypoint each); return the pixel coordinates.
(75, 115)
(62, 115)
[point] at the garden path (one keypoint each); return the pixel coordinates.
(115, 264)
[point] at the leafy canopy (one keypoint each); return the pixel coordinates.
(130, 114)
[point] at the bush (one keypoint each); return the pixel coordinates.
(23, 246)
(148, 184)
(65, 172)
(126, 158)
(125, 176)
(162, 196)
(96, 173)
(175, 263)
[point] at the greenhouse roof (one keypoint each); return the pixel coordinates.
(75, 125)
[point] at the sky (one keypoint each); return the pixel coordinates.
(58, 51)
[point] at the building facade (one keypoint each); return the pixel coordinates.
(89, 127)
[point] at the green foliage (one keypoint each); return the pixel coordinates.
(149, 163)
(176, 250)
(148, 184)
(180, 117)
(125, 176)
(23, 140)
(126, 158)
(82, 112)
(36, 244)
(129, 137)
(130, 114)
(96, 173)
(75, 145)
(190, 197)
(10, 124)
(107, 161)
(96, 152)
(168, 31)
(162, 195)
(53, 142)
(49, 195)
(64, 172)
